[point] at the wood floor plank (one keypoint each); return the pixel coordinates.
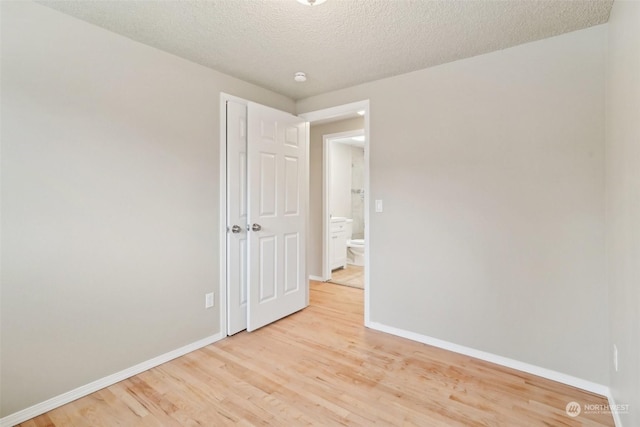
(321, 366)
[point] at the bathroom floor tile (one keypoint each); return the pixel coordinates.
(352, 275)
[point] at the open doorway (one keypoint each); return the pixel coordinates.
(343, 187)
(327, 122)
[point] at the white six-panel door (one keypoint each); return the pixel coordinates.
(277, 167)
(236, 217)
(266, 269)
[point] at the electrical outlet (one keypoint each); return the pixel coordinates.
(209, 300)
(615, 358)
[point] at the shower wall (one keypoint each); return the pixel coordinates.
(357, 191)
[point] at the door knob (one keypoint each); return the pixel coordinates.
(256, 227)
(235, 229)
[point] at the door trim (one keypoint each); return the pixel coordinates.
(338, 111)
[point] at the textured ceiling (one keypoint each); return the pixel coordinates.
(338, 44)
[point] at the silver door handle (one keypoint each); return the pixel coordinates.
(256, 227)
(236, 229)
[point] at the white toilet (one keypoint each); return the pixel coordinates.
(355, 247)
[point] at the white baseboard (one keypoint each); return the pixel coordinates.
(494, 358)
(316, 278)
(62, 399)
(612, 404)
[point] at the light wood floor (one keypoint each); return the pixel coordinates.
(322, 367)
(351, 275)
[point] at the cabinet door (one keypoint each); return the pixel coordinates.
(338, 249)
(335, 251)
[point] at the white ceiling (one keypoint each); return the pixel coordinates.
(338, 44)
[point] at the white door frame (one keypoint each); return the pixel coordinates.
(327, 148)
(312, 116)
(338, 111)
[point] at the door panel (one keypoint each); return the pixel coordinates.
(236, 215)
(291, 184)
(291, 262)
(267, 185)
(267, 276)
(278, 187)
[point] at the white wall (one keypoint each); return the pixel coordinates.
(340, 204)
(623, 202)
(491, 173)
(109, 201)
(316, 154)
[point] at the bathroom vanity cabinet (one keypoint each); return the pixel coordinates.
(338, 248)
